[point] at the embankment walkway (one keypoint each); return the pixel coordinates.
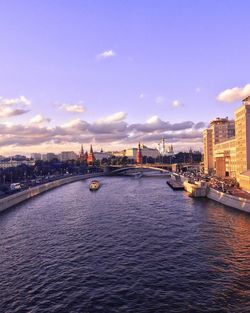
(21, 196)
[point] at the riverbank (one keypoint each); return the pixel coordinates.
(235, 202)
(201, 189)
(21, 196)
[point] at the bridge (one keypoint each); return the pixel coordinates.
(130, 168)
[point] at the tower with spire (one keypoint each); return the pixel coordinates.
(81, 154)
(139, 155)
(91, 157)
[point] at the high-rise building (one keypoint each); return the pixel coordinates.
(208, 151)
(220, 130)
(226, 154)
(242, 127)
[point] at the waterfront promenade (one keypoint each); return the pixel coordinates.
(21, 196)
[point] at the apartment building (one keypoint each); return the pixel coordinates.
(227, 146)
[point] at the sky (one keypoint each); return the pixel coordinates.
(114, 73)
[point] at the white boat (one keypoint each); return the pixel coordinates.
(94, 185)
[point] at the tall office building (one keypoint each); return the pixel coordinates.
(208, 151)
(242, 128)
(220, 130)
(230, 154)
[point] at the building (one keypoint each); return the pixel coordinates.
(165, 150)
(220, 130)
(91, 157)
(139, 155)
(149, 152)
(145, 151)
(227, 146)
(6, 163)
(242, 127)
(81, 154)
(102, 155)
(208, 151)
(49, 156)
(67, 155)
(131, 153)
(118, 153)
(36, 156)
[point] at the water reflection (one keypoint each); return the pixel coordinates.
(133, 246)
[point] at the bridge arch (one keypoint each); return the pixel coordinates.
(140, 168)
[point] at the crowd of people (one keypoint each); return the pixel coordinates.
(227, 185)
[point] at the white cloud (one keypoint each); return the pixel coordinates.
(176, 103)
(106, 54)
(73, 108)
(10, 107)
(197, 89)
(72, 123)
(112, 130)
(21, 100)
(39, 119)
(142, 96)
(234, 94)
(159, 100)
(116, 117)
(153, 119)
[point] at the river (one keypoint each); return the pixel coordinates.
(135, 245)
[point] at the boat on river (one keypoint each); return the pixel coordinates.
(94, 185)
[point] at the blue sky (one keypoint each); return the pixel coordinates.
(158, 61)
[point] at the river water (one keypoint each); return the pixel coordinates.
(133, 246)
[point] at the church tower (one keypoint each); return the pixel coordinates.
(91, 157)
(81, 154)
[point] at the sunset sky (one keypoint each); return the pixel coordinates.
(113, 73)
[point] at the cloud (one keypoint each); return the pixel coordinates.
(106, 54)
(234, 94)
(176, 103)
(39, 119)
(73, 108)
(21, 100)
(112, 130)
(10, 107)
(116, 117)
(197, 89)
(159, 100)
(155, 124)
(200, 125)
(9, 112)
(76, 123)
(142, 96)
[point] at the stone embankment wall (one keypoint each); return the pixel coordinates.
(21, 196)
(229, 200)
(197, 190)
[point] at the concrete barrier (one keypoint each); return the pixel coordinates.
(21, 196)
(229, 200)
(196, 190)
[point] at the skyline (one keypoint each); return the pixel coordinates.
(113, 74)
